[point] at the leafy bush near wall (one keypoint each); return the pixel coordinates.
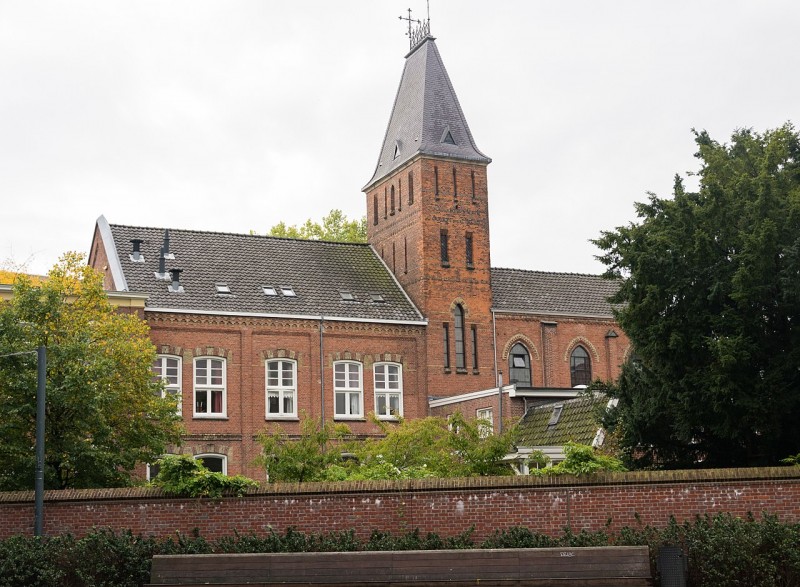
(722, 550)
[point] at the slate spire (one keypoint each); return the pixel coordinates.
(426, 118)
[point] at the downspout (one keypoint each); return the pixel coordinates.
(497, 377)
(321, 371)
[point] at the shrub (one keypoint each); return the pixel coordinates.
(184, 476)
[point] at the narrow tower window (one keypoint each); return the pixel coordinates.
(405, 255)
(385, 204)
(444, 248)
(474, 347)
(375, 209)
(391, 201)
(410, 188)
(436, 181)
(446, 340)
(399, 195)
(394, 269)
(468, 249)
(458, 328)
(472, 176)
(455, 185)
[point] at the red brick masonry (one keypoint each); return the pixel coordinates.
(445, 506)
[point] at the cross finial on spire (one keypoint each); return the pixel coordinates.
(410, 20)
(422, 30)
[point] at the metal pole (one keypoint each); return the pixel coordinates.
(38, 522)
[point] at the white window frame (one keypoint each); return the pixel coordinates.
(348, 390)
(216, 456)
(281, 390)
(209, 388)
(485, 415)
(383, 388)
(176, 388)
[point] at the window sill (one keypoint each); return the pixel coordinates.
(447, 370)
(470, 267)
(350, 418)
(390, 418)
(209, 417)
(476, 372)
(282, 419)
(445, 264)
(461, 371)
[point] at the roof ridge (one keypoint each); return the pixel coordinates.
(244, 234)
(548, 272)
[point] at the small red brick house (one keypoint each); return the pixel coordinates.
(257, 331)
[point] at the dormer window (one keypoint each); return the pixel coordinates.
(287, 291)
(396, 151)
(556, 415)
(447, 137)
(222, 288)
(269, 290)
(347, 295)
(377, 298)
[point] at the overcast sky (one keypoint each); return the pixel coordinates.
(235, 115)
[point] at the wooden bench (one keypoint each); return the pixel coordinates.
(616, 566)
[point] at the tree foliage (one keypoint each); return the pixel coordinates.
(334, 227)
(581, 459)
(711, 301)
(104, 411)
(185, 476)
(409, 449)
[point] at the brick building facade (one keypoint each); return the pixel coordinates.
(258, 331)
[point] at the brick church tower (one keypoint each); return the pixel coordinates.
(428, 218)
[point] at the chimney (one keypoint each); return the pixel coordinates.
(165, 248)
(161, 274)
(136, 255)
(176, 281)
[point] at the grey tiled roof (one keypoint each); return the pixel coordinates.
(571, 294)
(425, 107)
(577, 423)
(316, 270)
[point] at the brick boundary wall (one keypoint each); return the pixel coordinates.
(444, 506)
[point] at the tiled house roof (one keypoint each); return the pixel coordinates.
(318, 272)
(552, 293)
(577, 422)
(425, 110)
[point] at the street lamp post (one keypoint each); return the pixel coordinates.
(41, 376)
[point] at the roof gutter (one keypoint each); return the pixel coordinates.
(289, 316)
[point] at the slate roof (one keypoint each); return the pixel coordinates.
(577, 422)
(425, 107)
(316, 271)
(571, 294)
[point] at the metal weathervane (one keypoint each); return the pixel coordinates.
(421, 31)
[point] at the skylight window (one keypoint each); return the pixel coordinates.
(287, 291)
(554, 417)
(269, 290)
(347, 295)
(376, 297)
(222, 288)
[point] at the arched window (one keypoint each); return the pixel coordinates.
(580, 367)
(519, 366)
(214, 463)
(281, 388)
(458, 328)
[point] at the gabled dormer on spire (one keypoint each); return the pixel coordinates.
(426, 118)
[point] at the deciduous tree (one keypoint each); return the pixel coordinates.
(711, 302)
(334, 227)
(104, 410)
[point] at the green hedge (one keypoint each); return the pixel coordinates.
(722, 550)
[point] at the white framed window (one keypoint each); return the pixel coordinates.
(485, 419)
(214, 462)
(210, 397)
(281, 388)
(388, 390)
(348, 390)
(152, 470)
(168, 369)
